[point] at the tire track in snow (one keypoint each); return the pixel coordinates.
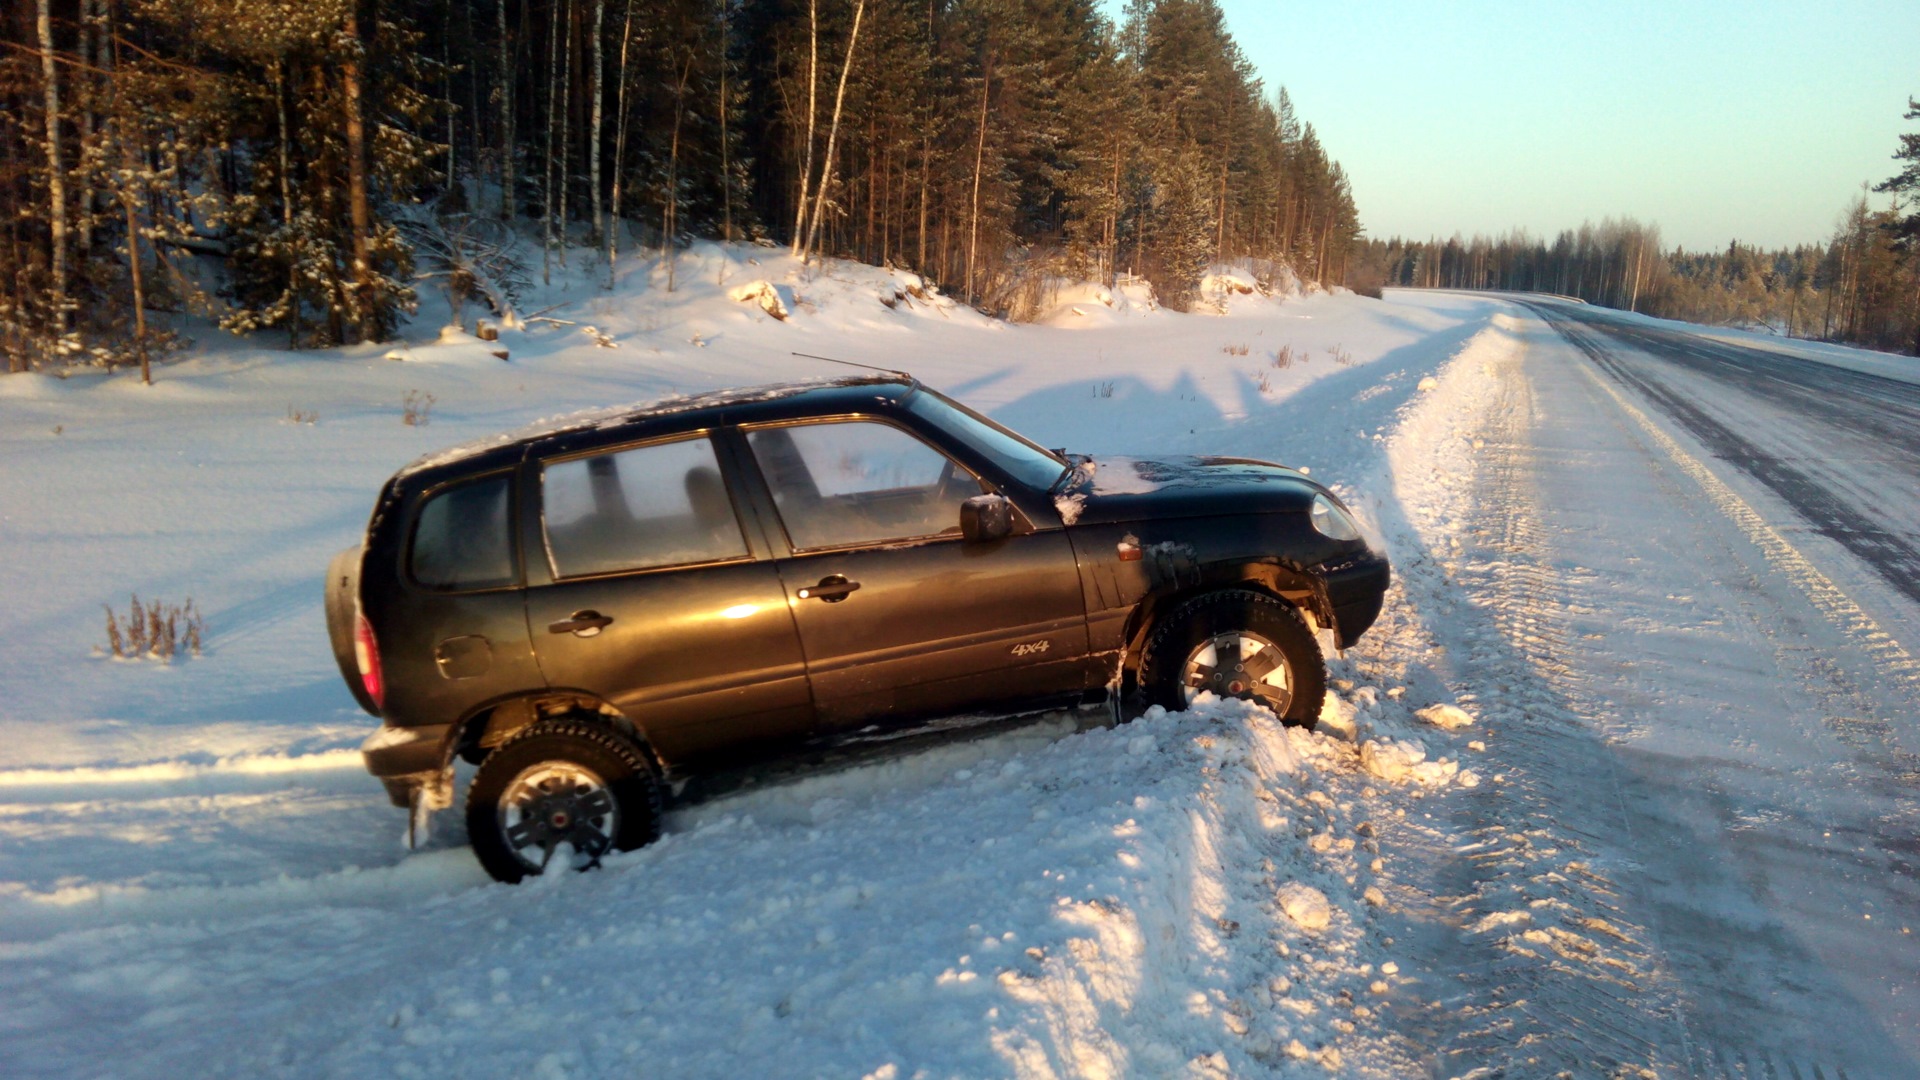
(1834, 521)
(1889, 658)
(1552, 970)
(1729, 1040)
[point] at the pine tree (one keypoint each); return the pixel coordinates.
(1905, 228)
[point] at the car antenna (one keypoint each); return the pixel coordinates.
(884, 371)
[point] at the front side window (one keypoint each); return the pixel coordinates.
(462, 540)
(1032, 466)
(653, 506)
(859, 482)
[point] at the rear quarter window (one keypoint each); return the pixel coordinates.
(463, 538)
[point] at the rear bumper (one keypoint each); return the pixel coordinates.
(405, 758)
(1356, 587)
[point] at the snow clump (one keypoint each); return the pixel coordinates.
(763, 292)
(1447, 717)
(1391, 759)
(1305, 905)
(1400, 760)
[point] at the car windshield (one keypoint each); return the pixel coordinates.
(1014, 455)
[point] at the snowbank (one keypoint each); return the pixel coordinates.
(195, 871)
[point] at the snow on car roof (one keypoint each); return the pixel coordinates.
(614, 415)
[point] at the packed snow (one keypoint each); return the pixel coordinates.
(197, 878)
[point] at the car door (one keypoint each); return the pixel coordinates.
(898, 617)
(651, 595)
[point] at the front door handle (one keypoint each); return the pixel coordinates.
(833, 588)
(581, 624)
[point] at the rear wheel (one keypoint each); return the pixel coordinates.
(1237, 644)
(560, 791)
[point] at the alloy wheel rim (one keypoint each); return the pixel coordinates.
(555, 803)
(1239, 664)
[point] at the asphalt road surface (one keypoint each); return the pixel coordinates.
(1852, 464)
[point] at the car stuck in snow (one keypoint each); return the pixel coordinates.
(599, 608)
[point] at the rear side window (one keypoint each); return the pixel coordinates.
(652, 506)
(462, 540)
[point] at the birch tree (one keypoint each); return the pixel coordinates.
(56, 174)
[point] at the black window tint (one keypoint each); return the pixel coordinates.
(462, 539)
(661, 505)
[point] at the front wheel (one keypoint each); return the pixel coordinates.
(1237, 644)
(560, 790)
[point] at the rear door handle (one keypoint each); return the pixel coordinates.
(832, 589)
(581, 624)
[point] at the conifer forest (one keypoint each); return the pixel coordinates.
(1862, 285)
(297, 167)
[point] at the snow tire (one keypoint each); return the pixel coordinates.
(566, 748)
(1188, 628)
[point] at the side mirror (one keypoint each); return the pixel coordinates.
(986, 518)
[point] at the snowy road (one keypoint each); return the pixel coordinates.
(1685, 609)
(1841, 447)
(1666, 575)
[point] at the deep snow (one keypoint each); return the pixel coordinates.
(196, 878)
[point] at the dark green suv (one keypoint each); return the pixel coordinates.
(598, 610)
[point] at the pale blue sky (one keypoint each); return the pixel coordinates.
(1716, 120)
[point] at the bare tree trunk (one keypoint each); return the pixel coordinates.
(833, 131)
(286, 205)
(593, 137)
(813, 99)
(926, 163)
(56, 176)
(506, 117)
(1639, 254)
(553, 105)
(446, 73)
(1226, 155)
(726, 167)
(670, 212)
(619, 145)
(866, 234)
(979, 159)
(1320, 253)
(139, 282)
(1110, 238)
(566, 126)
(926, 167)
(89, 24)
(351, 75)
(109, 59)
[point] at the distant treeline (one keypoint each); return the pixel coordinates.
(1861, 286)
(298, 164)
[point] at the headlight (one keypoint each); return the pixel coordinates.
(1333, 522)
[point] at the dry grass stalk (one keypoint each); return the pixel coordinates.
(154, 631)
(416, 408)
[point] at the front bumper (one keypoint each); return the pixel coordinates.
(404, 759)
(1356, 587)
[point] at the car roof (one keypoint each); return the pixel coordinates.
(742, 403)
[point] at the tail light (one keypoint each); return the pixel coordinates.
(366, 653)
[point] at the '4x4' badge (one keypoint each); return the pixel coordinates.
(1032, 648)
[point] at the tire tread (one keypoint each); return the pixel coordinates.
(1216, 608)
